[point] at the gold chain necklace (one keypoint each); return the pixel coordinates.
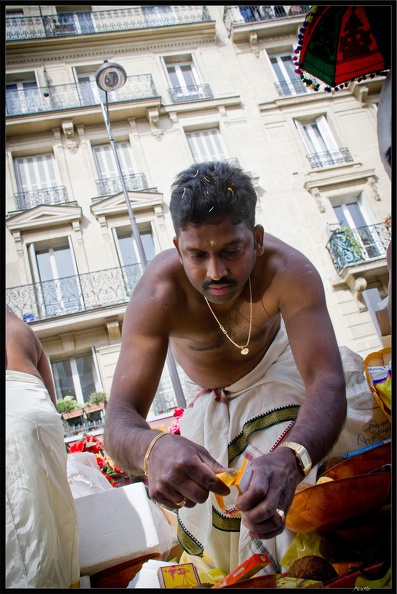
(244, 350)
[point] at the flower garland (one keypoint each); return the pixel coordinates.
(90, 443)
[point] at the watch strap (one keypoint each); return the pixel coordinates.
(301, 454)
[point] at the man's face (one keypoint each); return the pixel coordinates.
(219, 257)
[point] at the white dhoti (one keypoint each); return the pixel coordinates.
(246, 420)
(41, 518)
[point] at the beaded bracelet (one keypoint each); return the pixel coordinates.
(145, 468)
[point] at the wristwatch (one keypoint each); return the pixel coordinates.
(302, 455)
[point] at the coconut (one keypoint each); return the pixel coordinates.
(312, 567)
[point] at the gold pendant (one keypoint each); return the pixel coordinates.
(245, 351)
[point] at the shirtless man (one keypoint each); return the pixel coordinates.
(41, 518)
(221, 299)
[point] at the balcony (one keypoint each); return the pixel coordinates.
(55, 195)
(112, 185)
(327, 158)
(190, 93)
(293, 87)
(234, 16)
(66, 24)
(85, 94)
(349, 247)
(73, 294)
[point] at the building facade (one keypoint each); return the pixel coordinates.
(203, 83)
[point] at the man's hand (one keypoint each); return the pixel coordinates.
(179, 469)
(275, 477)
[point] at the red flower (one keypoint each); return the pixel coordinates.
(100, 460)
(178, 412)
(76, 447)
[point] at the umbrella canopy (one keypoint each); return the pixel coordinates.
(339, 43)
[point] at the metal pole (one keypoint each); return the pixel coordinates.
(180, 398)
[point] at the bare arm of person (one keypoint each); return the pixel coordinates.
(177, 468)
(43, 367)
(322, 414)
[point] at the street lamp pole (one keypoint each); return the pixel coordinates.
(110, 77)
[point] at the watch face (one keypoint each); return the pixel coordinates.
(305, 459)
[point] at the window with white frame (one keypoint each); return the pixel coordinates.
(38, 181)
(128, 252)
(76, 376)
(90, 93)
(36, 173)
(23, 96)
(109, 181)
(206, 145)
(56, 278)
(287, 81)
(158, 15)
(351, 214)
(184, 78)
(321, 146)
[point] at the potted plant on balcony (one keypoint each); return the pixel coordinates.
(70, 410)
(349, 235)
(95, 405)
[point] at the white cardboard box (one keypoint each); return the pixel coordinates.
(115, 526)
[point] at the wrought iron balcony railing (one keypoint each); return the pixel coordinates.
(353, 246)
(65, 24)
(334, 157)
(84, 94)
(72, 294)
(234, 162)
(112, 185)
(238, 15)
(293, 87)
(55, 195)
(190, 93)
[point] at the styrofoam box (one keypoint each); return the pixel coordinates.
(114, 526)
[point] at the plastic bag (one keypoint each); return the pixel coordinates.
(307, 544)
(84, 475)
(377, 368)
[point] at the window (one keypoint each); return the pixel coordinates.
(38, 182)
(90, 94)
(158, 15)
(77, 377)
(109, 182)
(206, 145)
(23, 97)
(184, 79)
(128, 253)
(57, 286)
(288, 82)
(364, 237)
(320, 144)
(75, 22)
(36, 173)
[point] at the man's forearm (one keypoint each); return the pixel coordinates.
(321, 417)
(126, 437)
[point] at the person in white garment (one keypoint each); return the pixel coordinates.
(41, 518)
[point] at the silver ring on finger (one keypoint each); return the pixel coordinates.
(281, 513)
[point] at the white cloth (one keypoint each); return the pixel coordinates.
(41, 518)
(248, 419)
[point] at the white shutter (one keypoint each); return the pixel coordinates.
(106, 164)
(206, 146)
(36, 173)
(306, 141)
(326, 133)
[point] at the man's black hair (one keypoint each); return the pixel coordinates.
(206, 191)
